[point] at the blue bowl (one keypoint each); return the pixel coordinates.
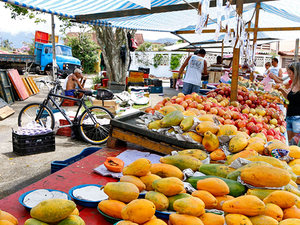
(82, 202)
(108, 218)
(21, 198)
(163, 214)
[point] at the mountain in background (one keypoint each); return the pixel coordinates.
(163, 40)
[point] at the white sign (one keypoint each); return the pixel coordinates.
(144, 3)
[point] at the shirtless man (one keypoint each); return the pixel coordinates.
(74, 81)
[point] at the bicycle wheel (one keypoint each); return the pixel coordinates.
(58, 91)
(34, 112)
(95, 133)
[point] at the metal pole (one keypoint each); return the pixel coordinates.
(236, 57)
(222, 49)
(257, 7)
(297, 50)
(54, 69)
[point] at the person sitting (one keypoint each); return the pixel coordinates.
(267, 71)
(275, 69)
(74, 81)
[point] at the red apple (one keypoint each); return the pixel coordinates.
(206, 107)
(249, 124)
(252, 97)
(252, 119)
(235, 115)
(213, 110)
(270, 137)
(200, 106)
(242, 123)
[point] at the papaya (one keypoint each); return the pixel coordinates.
(234, 175)
(164, 170)
(271, 160)
(283, 199)
(121, 191)
(189, 206)
(201, 128)
(209, 200)
(182, 161)
(138, 211)
(112, 208)
(260, 135)
(7, 216)
(292, 189)
(197, 153)
(160, 201)
(194, 110)
(256, 139)
(296, 169)
(154, 125)
(221, 200)
(179, 107)
(234, 219)
(182, 219)
(243, 154)
(275, 145)
(219, 170)
(237, 143)
(236, 188)
(265, 176)
(212, 219)
(247, 205)
(172, 119)
(227, 130)
(206, 117)
(167, 109)
(126, 222)
(290, 222)
(196, 137)
(215, 186)
(60, 209)
(5, 222)
(263, 220)
(293, 183)
(217, 155)
(258, 146)
(168, 186)
(172, 199)
(75, 212)
(33, 221)
(245, 134)
(155, 222)
(189, 113)
(148, 180)
(135, 180)
(260, 193)
(210, 141)
(294, 162)
(291, 213)
(72, 220)
(187, 123)
(273, 211)
(140, 167)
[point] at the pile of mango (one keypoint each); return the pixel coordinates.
(219, 189)
(55, 211)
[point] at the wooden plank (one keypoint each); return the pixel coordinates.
(6, 90)
(257, 7)
(5, 112)
(27, 86)
(18, 84)
(33, 85)
(3, 103)
(144, 11)
(236, 58)
(30, 86)
(140, 140)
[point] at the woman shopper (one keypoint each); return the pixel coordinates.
(293, 95)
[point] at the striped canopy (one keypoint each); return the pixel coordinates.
(278, 13)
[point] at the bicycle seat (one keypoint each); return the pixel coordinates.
(86, 92)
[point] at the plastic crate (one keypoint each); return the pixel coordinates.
(68, 102)
(64, 131)
(153, 89)
(33, 144)
(58, 165)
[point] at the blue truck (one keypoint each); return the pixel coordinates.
(41, 61)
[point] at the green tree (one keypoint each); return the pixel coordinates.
(6, 44)
(85, 49)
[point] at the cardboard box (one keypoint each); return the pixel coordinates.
(111, 105)
(211, 77)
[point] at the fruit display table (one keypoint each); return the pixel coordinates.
(80, 172)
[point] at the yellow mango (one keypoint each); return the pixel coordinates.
(237, 143)
(207, 126)
(187, 123)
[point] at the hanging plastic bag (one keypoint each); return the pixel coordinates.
(266, 80)
(225, 78)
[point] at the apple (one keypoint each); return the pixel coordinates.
(262, 112)
(206, 107)
(198, 99)
(181, 95)
(273, 121)
(252, 106)
(252, 111)
(200, 106)
(273, 105)
(213, 111)
(277, 137)
(150, 110)
(259, 125)
(253, 129)
(184, 104)
(194, 95)
(193, 104)
(271, 132)
(166, 99)
(263, 131)
(266, 126)
(270, 137)
(157, 106)
(179, 100)
(245, 116)
(235, 103)
(202, 112)
(188, 97)
(240, 98)
(252, 119)
(221, 112)
(221, 92)
(244, 129)
(250, 124)
(221, 120)
(242, 123)
(168, 103)
(263, 103)
(235, 115)
(275, 115)
(246, 111)
(228, 121)
(248, 102)
(188, 101)
(246, 97)
(253, 97)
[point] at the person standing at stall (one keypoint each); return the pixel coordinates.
(197, 66)
(293, 95)
(275, 69)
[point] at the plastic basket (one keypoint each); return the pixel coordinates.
(153, 89)
(64, 131)
(68, 102)
(58, 165)
(33, 144)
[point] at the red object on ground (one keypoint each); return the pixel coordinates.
(68, 102)
(64, 131)
(104, 82)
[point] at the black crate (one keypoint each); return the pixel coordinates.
(145, 70)
(157, 83)
(136, 84)
(33, 144)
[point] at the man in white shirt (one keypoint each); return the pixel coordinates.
(197, 66)
(275, 69)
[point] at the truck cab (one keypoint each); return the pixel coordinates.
(64, 59)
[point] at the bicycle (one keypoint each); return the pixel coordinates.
(57, 89)
(93, 124)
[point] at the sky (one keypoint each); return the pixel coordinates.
(15, 27)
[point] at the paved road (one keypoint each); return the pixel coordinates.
(17, 172)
